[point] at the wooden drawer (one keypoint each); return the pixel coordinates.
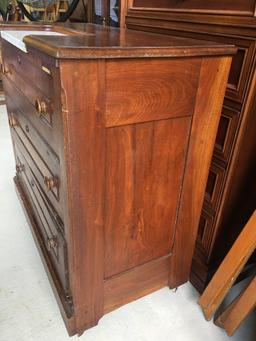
(34, 70)
(226, 133)
(40, 144)
(17, 101)
(41, 105)
(48, 179)
(50, 225)
(214, 185)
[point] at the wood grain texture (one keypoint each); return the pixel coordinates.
(145, 163)
(135, 283)
(232, 317)
(85, 166)
(154, 90)
(213, 79)
(95, 41)
(229, 269)
(242, 7)
(28, 69)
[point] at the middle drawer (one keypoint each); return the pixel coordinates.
(40, 157)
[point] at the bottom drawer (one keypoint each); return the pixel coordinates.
(49, 223)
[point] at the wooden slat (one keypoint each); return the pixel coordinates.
(213, 78)
(229, 269)
(238, 310)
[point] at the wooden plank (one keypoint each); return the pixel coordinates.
(229, 269)
(213, 80)
(238, 310)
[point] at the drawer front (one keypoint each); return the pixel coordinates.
(50, 225)
(41, 104)
(32, 69)
(214, 185)
(226, 134)
(48, 179)
(26, 128)
(17, 101)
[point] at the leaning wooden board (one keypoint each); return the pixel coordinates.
(113, 133)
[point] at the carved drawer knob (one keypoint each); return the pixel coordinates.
(5, 69)
(50, 183)
(20, 168)
(52, 243)
(41, 107)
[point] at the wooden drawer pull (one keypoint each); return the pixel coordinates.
(20, 168)
(41, 107)
(12, 121)
(5, 69)
(52, 243)
(50, 183)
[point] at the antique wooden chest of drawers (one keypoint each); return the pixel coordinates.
(113, 133)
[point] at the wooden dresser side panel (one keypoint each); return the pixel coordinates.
(149, 106)
(83, 85)
(213, 80)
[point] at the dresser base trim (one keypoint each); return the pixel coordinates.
(135, 283)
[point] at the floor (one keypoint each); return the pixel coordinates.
(28, 311)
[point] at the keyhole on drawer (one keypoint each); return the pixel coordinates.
(19, 60)
(32, 182)
(27, 128)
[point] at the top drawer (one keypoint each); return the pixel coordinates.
(32, 69)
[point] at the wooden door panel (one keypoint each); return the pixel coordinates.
(144, 176)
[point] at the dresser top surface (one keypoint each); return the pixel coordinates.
(89, 41)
